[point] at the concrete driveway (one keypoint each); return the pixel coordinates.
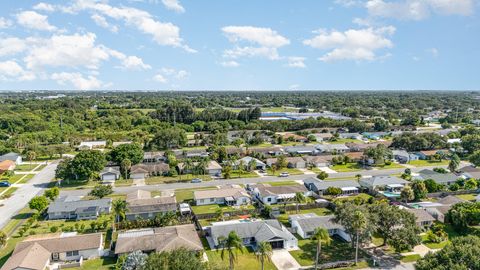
(283, 260)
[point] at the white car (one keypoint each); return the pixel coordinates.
(284, 174)
(196, 180)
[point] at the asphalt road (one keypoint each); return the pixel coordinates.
(173, 186)
(25, 193)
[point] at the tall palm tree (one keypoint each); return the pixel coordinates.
(31, 155)
(358, 176)
(359, 224)
(321, 235)
(241, 167)
(229, 246)
(126, 165)
(299, 198)
(252, 164)
(188, 165)
(119, 208)
(202, 165)
(264, 251)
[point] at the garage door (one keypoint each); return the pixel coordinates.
(277, 244)
(108, 177)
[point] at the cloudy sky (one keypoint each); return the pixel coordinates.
(240, 44)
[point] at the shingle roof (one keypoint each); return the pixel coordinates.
(277, 190)
(9, 156)
(309, 224)
(421, 215)
(33, 257)
(159, 239)
(150, 167)
(220, 193)
(6, 165)
(450, 200)
(58, 243)
(441, 178)
(160, 204)
(114, 170)
(63, 204)
(382, 180)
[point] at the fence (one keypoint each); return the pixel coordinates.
(446, 193)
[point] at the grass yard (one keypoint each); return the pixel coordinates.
(72, 184)
(360, 196)
(349, 167)
(423, 163)
(8, 193)
(123, 182)
(246, 260)
(467, 197)
(291, 171)
(337, 251)
(283, 218)
(39, 168)
(12, 179)
(343, 141)
(27, 178)
(183, 195)
(281, 183)
(245, 174)
(106, 263)
(391, 166)
(410, 258)
(212, 208)
(25, 167)
(181, 178)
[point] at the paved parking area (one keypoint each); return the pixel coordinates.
(284, 261)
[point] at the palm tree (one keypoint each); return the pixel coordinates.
(359, 224)
(321, 235)
(264, 251)
(241, 167)
(187, 165)
(220, 214)
(299, 198)
(229, 246)
(119, 208)
(31, 155)
(358, 176)
(202, 165)
(126, 164)
(252, 164)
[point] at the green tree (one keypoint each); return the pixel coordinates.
(299, 198)
(475, 158)
(322, 175)
(133, 152)
(229, 246)
(465, 214)
(454, 163)
(38, 203)
(320, 235)
(407, 194)
(100, 191)
(419, 189)
(281, 162)
(125, 166)
(119, 208)
(359, 225)
(220, 214)
(168, 139)
(227, 172)
(470, 184)
(431, 185)
(87, 163)
(31, 155)
(264, 253)
(135, 260)
(334, 191)
(358, 177)
(52, 193)
(177, 259)
(3, 239)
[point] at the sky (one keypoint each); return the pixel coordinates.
(240, 45)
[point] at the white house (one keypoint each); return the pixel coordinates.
(278, 194)
(305, 225)
(110, 174)
(259, 165)
(92, 145)
(228, 195)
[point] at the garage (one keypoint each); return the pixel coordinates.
(109, 177)
(277, 244)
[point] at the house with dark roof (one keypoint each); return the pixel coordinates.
(292, 162)
(72, 207)
(268, 194)
(153, 157)
(159, 239)
(423, 219)
(470, 171)
(140, 204)
(348, 187)
(39, 252)
(252, 232)
(439, 208)
(259, 165)
(440, 178)
(306, 224)
(110, 174)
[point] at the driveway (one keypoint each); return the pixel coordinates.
(327, 170)
(283, 260)
(25, 193)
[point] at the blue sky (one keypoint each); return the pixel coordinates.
(240, 44)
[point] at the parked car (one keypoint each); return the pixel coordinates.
(284, 174)
(196, 180)
(4, 184)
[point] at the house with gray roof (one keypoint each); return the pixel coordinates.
(268, 194)
(383, 182)
(141, 204)
(228, 195)
(348, 187)
(72, 207)
(15, 157)
(423, 219)
(292, 162)
(470, 171)
(440, 178)
(332, 148)
(252, 232)
(110, 174)
(354, 136)
(302, 150)
(259, 165)
(306, 224)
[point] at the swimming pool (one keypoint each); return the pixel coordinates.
(390, 194)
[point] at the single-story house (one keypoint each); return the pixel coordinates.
(153, 157)
(259, 165)
(427, 154)
(440, 208)
(145, 170)
(470, 172)
(140, 204)
(360, 147)
(7, 165)
(39, 252)
(277, 194)
(254, 231)
(294, 137)
(355, 136)
(232, 150)
(195, 153)
(228, 195)
(71, 207)
(292, 162)
(423, 219)
(383, 182)
(403, 156)
(317, 161)
(306, 224)
(375, 135)
(358, 156)
(323, 136)
(92, 145)
(302, 150)
(348, 187)
(440, 178)
(110, 174)
(115, 144)
(159, 239)
(17, 158)
(332, 148)
(212, 168)
(270, 151)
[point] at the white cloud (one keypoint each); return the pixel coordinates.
(163, 33)
(34, 20)
(77, 80)
(173, 5)
(230, 63)
(160, 78)
(166, 75)
(419, 9)
(4, 23)
(296, 61)
(349, 3)
(262, 42)
(433, 52)
(11, 70)
(11, 46)
(134, 62)
(44, 7)
(102, 22)
(294, 87)
(353, 44)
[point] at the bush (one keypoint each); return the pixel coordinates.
(53, 229)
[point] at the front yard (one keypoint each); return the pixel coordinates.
(349, 167)
(423, 163)
(172, 179)
(185, 195)
(246, 260)
(281, 183)
(291, 171)
(244, 174)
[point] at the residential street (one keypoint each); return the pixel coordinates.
(25, 193)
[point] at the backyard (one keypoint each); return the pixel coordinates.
(105, 263)
(246, 260)
(244, 174)
(213, 208)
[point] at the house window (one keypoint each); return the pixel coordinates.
(72, 253)
(212, 199)
(269, 199)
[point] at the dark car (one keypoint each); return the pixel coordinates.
(4, 184)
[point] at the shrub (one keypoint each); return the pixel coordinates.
(53, 229)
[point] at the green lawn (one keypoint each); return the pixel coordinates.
(72, 184)
(25, 167)
(281, 183)
(362, 196)
(283, 218)
(467, 197)
(245, 261)
(422, 163)
(343, 141)
(106, 263)
(349, 167)
(12, 179)
(410, 258)
(123, 182)
(337, 251)
(39, 168)
(245, 174)
(212, 208)
(391, 166)
(8, 193)
(181, 178)
(27, 178)
(183, 195)
(291, 171)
